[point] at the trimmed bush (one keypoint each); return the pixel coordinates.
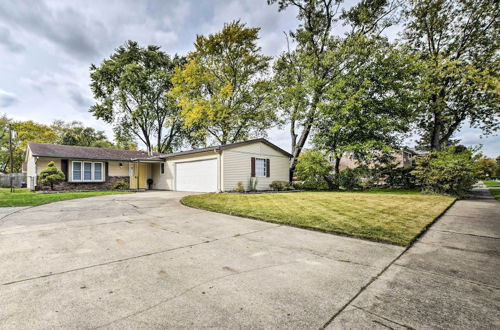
(120, 185)
(279, 185)
(450, 171)
(51, 175)
(240, 187)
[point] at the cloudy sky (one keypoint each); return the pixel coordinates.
(46, 48)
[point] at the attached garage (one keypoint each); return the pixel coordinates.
(199, 176)
(223, 168)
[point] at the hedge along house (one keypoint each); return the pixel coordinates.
(212, 169)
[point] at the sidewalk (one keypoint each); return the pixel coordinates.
(450, 278)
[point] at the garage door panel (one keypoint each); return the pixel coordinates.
(200, 176)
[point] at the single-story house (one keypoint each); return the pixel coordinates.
(212, 169)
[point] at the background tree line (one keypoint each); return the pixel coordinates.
(59, 132)
(351, 92)
(355, 91)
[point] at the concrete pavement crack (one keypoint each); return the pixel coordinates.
(468, 234)
(363, 288)
(383, 318)
(205, 241)
(447, 276)
(106, 263)
(189, 290)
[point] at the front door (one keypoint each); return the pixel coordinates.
(138, 176)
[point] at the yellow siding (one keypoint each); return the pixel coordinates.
(42, 163)
(115, 170)
(237, 165)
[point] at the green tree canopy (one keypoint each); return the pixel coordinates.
(222, 89)
(76, 134)
(458, 41)
(131, 88)
(305, 74)
(371, 105)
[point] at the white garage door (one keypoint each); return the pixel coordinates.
(196, 176)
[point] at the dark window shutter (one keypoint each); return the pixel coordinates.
(106, 171)
(64, 168)
(268, 169)
(253, 167)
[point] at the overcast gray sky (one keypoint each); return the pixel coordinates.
(46, 48)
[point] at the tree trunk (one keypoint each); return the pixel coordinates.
(436, 133)
(298, 148)
(337, 166)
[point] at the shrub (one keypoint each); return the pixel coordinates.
(51, 175)
(396, 177)
(239, 187)
(450, 171)
(349, 179)
(252, 184)
(486, 168)
(313, 170)
(279, 185)
(120, 185)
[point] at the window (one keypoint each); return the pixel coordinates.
(260, 167)
(87, 171)
(162, 168)
(97, 171)
(77, 171)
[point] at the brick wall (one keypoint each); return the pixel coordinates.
(107, 185)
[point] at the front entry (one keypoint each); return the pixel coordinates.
(138, 176)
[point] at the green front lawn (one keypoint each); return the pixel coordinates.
(495, 193)
(25, 197)
(393, 217)
(491, 183)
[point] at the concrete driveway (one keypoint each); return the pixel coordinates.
(145, 261)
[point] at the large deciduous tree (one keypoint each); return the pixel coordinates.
(131, 88)
(369, 107)
(29, 131)
(458, 41)
(303, 75)
(223, 88)
(75, 133)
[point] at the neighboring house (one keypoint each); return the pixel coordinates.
(403, 158)
(217, 168)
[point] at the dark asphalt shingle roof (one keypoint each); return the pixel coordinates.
(78, 152)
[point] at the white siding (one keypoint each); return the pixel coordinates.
(30, 169)
(237, 165)
(159, 179)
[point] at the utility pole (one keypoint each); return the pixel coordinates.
(11, 159)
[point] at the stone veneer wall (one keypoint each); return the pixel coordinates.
(107, 185)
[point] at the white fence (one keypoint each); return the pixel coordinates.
(19, 180)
